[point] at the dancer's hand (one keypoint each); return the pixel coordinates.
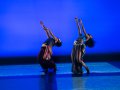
(76, 18)
(41, 23)
(43, 26)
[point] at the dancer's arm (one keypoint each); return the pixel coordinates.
(79, 30)
(45, 28)
(84, 31)
(54, 37)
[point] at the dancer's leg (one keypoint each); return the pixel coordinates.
(79, 59)
(86, 67)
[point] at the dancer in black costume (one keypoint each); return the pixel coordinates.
(78, 50)
(45, 54)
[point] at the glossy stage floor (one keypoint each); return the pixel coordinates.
(103, 76)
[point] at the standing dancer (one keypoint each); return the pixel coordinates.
(45, 54)
(78, 50)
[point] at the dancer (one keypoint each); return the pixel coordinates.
(78, 50)
(45, 54)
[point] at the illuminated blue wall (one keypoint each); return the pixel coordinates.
(21, 34)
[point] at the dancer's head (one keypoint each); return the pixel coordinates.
(90, 42)
(58, 42)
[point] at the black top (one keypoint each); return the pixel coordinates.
(50, 42)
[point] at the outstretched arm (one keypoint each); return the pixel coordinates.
(79, 30)
(52, 34)
(84, 31)
(45, 28)
(47, 32)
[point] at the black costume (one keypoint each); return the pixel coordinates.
(45, 51)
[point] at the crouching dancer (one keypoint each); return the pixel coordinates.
(45, 54)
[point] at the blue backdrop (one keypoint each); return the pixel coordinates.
(21, 34)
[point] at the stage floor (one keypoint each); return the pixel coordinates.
(103, 76)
